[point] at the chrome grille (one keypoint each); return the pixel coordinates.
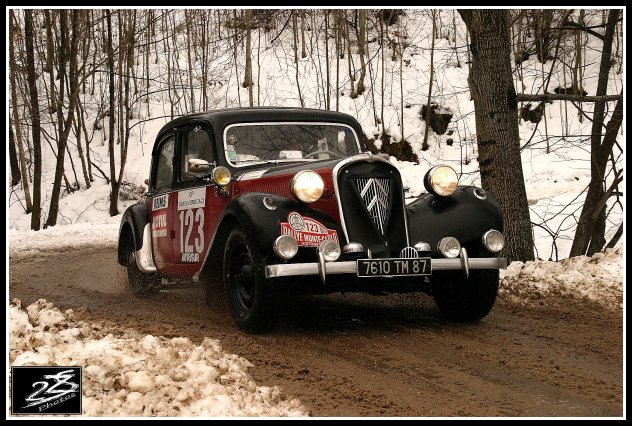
(375, 193)
(408, 253)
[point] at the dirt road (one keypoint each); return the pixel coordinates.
(357, 355)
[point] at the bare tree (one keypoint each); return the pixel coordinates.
(14, 32)
(496, 115)
(589, 236)
(248, 71)
(35, 120)
(424, 145)
(110, 59)
(361, 50)
(70, 56)
(295, 32)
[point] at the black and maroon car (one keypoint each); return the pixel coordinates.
(268, 201)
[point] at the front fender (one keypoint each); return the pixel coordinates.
(262, 224)
(135, 218)
(462, 216)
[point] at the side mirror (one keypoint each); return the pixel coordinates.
(195, 165)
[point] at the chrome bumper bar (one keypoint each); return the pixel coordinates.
(350, 267)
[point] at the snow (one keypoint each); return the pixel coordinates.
(598, 278)
(127, 374)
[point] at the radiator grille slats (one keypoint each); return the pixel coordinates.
(375, 193)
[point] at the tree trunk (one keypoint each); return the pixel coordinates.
(35, 120)
(327, 97)
(352, 93)
(496, 116)
(13, 160)
(424, 144)
(295, 32)
(338, 49)
(303, 52)
(248, 71)
(113, 182)
(82, 158)
(589, 235)
(361, 50)
(16, 115)
(189, 59)
(65, 124)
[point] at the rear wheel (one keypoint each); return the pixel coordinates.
(142, 284)
(249, 297)
(463, 299)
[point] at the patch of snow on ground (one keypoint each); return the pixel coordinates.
(127, 374)
(57, 237)
(598, 278)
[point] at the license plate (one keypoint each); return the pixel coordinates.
(394, 267)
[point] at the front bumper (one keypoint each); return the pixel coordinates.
(350, 267)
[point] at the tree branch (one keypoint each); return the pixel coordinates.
(565, 97)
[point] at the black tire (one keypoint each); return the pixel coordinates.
(250, 299)
(141, 284)
(465, 300)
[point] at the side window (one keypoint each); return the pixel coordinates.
(195, 144)
(164, 168)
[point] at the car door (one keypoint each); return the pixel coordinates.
(162, 199)
(198, 203)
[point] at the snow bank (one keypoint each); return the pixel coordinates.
(598, 278)
(127, 374)
(56, 238)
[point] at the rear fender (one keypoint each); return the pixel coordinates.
(134, 220)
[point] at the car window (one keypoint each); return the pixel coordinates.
(164, 168)
(195, 144)
(251, 143)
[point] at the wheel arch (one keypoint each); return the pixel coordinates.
(133, 222)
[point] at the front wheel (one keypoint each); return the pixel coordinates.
(463, 299)
(248, 294)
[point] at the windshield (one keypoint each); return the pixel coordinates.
(254, 143)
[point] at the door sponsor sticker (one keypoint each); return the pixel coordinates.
(159, 225)
(191, 198)
(160, 202)
(191, 235)
(307, 231)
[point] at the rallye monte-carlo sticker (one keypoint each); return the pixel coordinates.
(307, 231)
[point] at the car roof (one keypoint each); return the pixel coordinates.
(218, 119)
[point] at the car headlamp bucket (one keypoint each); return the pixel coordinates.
(221, 176)
(493, 241)
(285, 247)
(449, 247)
(441, 181)
(307, 186)
(330, 250)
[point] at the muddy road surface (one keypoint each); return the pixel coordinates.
(358, 355)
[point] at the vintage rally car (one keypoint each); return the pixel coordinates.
(268, 201)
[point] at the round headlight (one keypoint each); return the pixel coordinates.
(307, 186)
(221, 176)
(449, 247)
(285, 247)
(493, 241)
(441, 181)
(330, 250)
